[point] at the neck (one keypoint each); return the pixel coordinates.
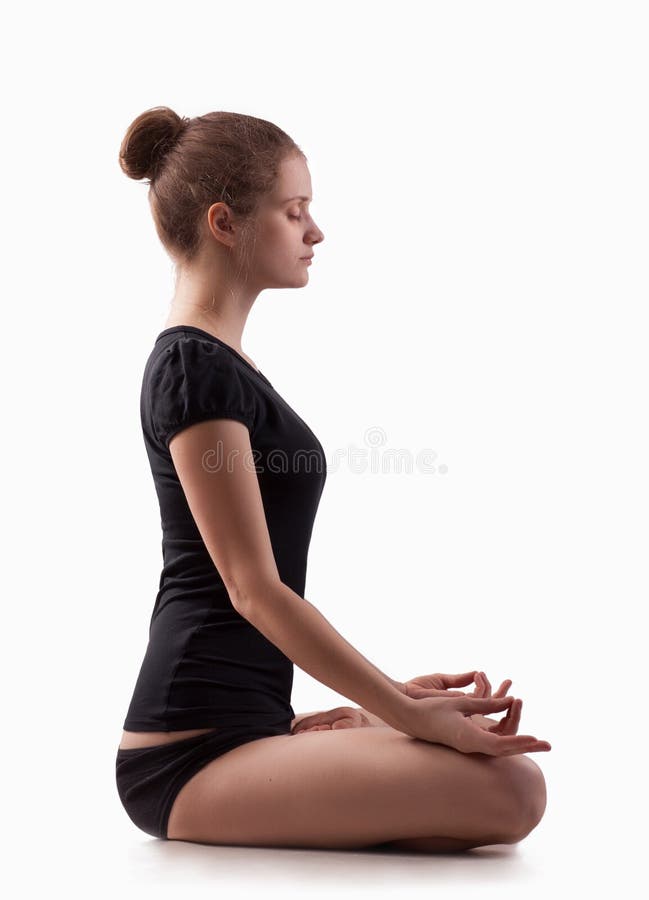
(211, 304)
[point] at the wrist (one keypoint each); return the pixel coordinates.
(400, 712)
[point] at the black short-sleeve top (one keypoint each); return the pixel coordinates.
(205, 665)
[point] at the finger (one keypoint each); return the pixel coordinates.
(528, 744)
(438, 692)
(509, 725)
(484, 704)
(308, 722)
(487, 684)
(514, 716)
(505, 745)
(479, 690)
(442, 692)
(459, 680)
(540, 747)
(504, 687)
(418, 693)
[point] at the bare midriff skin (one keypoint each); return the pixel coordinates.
(133, 739)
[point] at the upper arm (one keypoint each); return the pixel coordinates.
(215, 465)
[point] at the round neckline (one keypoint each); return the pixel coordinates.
(212, 337)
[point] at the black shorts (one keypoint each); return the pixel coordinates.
(150, 778)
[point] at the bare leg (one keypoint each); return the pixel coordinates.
(358, 788)
(432, 845)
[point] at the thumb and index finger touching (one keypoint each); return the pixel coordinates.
(502, 743)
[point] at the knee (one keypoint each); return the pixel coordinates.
(529, 795)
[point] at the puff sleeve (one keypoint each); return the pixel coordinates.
(194, 379)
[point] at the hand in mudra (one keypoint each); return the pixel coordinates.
(440, 685)
(451, 721)
(340, 717)
(504, 726)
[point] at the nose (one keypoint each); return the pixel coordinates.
(318, 235)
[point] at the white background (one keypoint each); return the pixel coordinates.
(479, 171)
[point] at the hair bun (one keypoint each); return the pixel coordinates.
(147, 141)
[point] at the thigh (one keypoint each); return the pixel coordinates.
(345, 788)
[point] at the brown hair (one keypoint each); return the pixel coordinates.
(193, 163)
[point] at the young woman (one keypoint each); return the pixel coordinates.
(212, 750)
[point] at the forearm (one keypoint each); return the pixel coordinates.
(306, 637)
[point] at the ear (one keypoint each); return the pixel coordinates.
(220, 221)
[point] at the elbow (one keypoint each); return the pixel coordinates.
(249, 593)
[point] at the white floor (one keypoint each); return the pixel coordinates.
(125, 863)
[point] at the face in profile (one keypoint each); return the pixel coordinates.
(286, 232)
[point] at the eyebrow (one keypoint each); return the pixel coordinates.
(297, 198)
